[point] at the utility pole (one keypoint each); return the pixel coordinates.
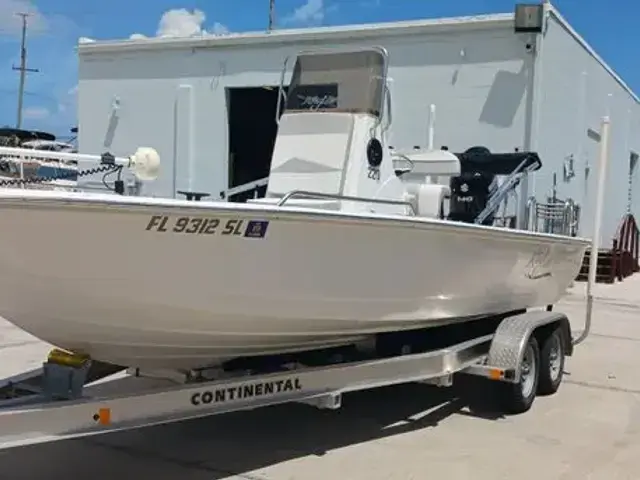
(23, 67)
(272, 14)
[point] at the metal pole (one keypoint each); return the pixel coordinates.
(527, 181)
(22, 68)
(597, 221)
(431, 127)
(272, 14)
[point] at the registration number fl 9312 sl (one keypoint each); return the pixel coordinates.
(236, 227)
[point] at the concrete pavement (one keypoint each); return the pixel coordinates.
(589, 430)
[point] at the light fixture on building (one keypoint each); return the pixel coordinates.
(529, 18)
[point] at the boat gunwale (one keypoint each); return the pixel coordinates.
(135, 205)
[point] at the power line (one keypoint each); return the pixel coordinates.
(23, 67)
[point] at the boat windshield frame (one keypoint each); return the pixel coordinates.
(337, 81)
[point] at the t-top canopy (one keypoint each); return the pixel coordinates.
(351, 82)
(481, 160)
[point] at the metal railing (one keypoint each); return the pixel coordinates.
(245, 187)
(561, 217)
(13, 168)
(333, 196)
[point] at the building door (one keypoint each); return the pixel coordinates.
(252, 134)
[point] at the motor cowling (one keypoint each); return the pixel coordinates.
(470, 193)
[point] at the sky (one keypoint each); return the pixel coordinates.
(56, 26)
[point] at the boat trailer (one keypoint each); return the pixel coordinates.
(72, 396)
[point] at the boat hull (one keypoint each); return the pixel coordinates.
(154, 284)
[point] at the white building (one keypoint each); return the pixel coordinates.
(208, 104)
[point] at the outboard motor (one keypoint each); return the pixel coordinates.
(471, 191)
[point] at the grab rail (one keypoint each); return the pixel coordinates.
(262, 182)
(334, 196)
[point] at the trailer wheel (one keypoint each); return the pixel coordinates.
(552, 357)
(518, 397)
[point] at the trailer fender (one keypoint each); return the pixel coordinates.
(513, 333)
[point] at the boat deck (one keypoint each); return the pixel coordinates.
(590, 429)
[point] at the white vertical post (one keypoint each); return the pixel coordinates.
(21, 159)
(431, 127)
(603, 161)
(184, 162)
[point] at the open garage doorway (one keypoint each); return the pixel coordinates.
(251, 113)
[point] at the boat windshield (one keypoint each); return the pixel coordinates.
(351, 82)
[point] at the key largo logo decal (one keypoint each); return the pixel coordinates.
(539, 265)
(236, 227)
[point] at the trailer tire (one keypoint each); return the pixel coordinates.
(552, 356)
(518, 397)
